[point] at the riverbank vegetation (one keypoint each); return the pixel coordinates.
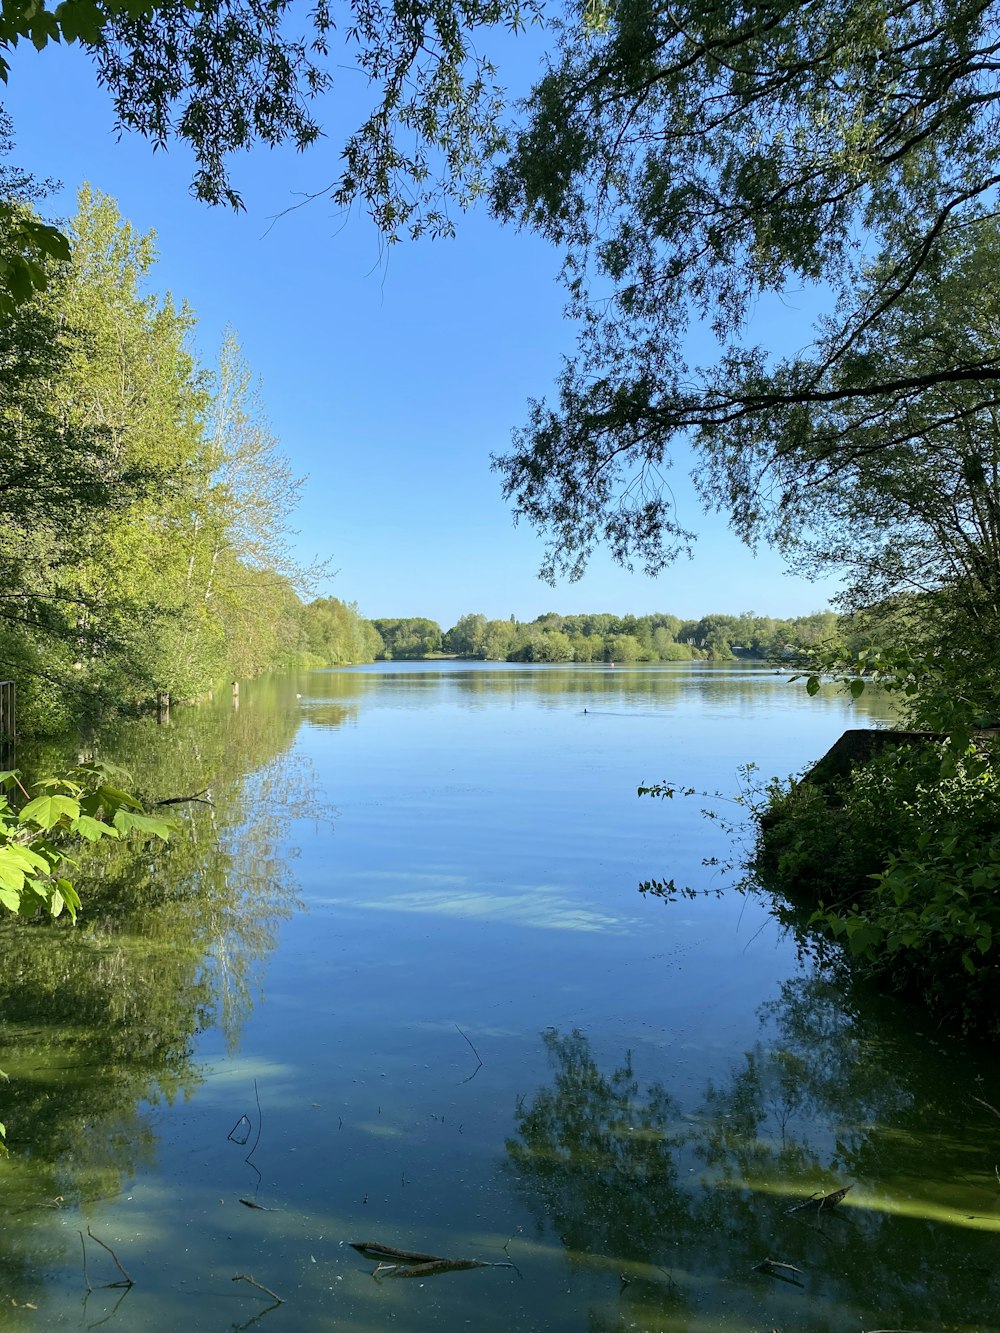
(146, 502)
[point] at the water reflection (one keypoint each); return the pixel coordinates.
(679, 1205)
(98, 1023)
(479, 887)
(338, 697)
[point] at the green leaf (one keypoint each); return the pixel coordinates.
(113, 798)
(93, 829)
(26, 859)
(10, 898)
(812, 685)
(125, 822)
(63, 785)
(47, 811)
(11, 873)
(70, 896)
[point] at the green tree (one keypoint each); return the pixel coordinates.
(146, 503)
(498, 640)
(337, 634)
(105, 403)
(414, 636)
(914, 507)
(220, 76)
(691, 160)
(467, 637)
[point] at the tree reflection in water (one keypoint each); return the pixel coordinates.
(98, 1023)
(679, 1208)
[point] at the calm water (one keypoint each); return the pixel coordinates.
(404, 960)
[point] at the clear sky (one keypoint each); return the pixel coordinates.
(390, 378)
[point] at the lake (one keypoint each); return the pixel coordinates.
(397, 984)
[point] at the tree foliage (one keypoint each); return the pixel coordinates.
(337, 634)
(38, 833)
(909, 510)
(691, 160)
(658, 637)
(223, 75)
(411, 636)
(146, 503)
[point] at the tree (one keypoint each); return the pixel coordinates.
(145, 502)
(913, 506)
(415, 636)
(337, 633)
(692, 159)
(498, 640)
(98, 432)
(224, 74)
(468, 637)
(27, 244)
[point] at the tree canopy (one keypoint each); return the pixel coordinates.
(913, 503)
(693, 159)
(222, 75)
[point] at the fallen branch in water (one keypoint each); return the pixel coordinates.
(818, 1202)
(435, 1267)
(371, 1249)
(413, 1263)
(83, 1246)
(988, 1106)
(198, 796)
(774, 1268)
(245, 1277)
(474, 1052)
(127, 1281)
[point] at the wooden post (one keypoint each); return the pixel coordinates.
(236, 694)
(8, 723)
(8, 719)
(162, 706)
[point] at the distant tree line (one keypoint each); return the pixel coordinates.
(659, 637)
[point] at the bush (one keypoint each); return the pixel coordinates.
(900, 863)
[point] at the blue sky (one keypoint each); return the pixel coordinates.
(390, 378)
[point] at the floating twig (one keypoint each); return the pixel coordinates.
(260, 1123)
(371, 1249)
(441, 1266)
(245, 1277)
(118, 1263)
(86, 1276)
(818, 1203)
(114, 1309)
(474, 1052)
(393, 1262)
(240, 1132)
(198, 796)
(783, 1272)
(252, 1203)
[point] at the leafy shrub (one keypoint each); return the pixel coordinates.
(901, 864)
